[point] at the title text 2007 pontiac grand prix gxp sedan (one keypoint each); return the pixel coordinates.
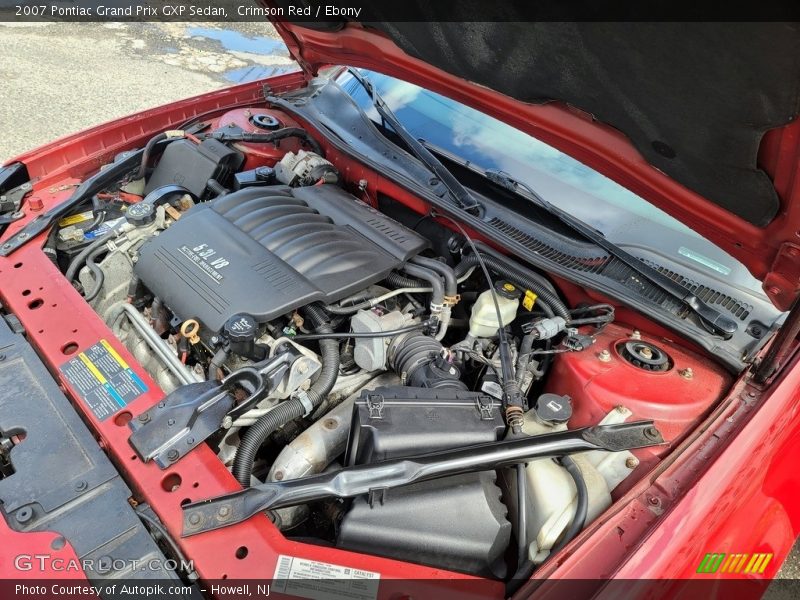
(455, 307)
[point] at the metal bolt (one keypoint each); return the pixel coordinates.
(654, 501)
(190, 441)
(24, 514)
(214, 340)
(632, 462)
(636, 334)
(170, 422)
(686, 373)
(194, 519)
(227, 422)
(224, 512)
(25, 186)
(144, 417)
(7, 246)
(302, 367)
(651, 432)
(278, 475)
(162, 404)
(23, 236)
(172, 455)
(646, 352)
(80, 486)
(604, 356)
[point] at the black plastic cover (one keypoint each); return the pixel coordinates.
(62, 481)
(391, 422)
(457, 523)
(267, 251)
(192, 165)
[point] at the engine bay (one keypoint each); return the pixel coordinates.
(373, 385)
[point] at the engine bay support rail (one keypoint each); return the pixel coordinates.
(348, 482)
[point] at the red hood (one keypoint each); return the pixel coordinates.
(713, 141)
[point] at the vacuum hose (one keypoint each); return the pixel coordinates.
(293, 408)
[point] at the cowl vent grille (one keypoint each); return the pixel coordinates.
(589, 261)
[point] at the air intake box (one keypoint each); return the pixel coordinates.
(457, 523)
(192, 165)
(389, 422)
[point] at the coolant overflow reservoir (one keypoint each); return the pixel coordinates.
(483, 321)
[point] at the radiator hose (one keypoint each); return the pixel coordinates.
(293, 408)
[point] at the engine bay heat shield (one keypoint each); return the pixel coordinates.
(268, 250)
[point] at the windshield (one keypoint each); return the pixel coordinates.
(625, 218)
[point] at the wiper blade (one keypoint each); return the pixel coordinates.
(459, 193)
(711, 318)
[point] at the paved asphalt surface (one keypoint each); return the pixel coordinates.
(61, 78)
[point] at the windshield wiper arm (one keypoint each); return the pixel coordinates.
(458, 192)
(711, 318)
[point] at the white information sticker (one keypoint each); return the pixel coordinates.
(323, 581)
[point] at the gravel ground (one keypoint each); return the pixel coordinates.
(64, 77)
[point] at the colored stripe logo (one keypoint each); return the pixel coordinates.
(735, 563)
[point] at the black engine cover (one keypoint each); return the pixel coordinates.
(266, 251)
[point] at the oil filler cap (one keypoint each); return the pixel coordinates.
(241, 328)
(140, 214)
(552, 408)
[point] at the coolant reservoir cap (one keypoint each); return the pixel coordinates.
(241, 328)
(552, 408)
(141, 213)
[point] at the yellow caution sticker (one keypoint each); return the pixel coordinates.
(103, 379)
(528, 299)
(73, 219)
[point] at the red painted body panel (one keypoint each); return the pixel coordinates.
(710, 496)
(732, 488)
(674, 402)
(258, 154)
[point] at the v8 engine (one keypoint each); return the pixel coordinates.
(265, 251)
(380, 380)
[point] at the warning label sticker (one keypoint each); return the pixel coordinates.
(323, 581)
(103, 379)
